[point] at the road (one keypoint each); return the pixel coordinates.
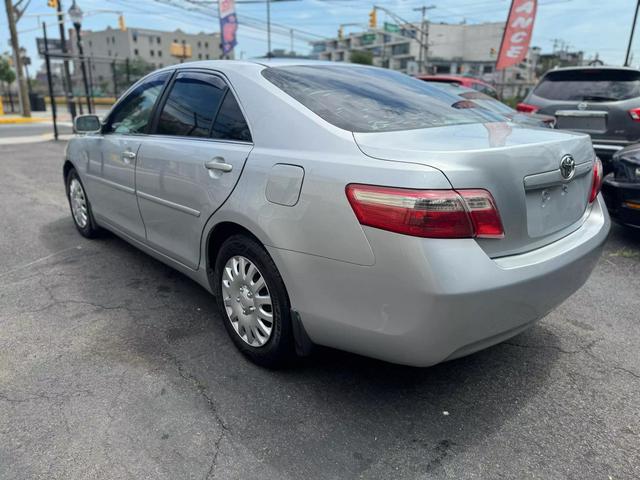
(33, 129)
(113, 366)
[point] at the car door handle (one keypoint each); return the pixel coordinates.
(218, 164)
(128, 156)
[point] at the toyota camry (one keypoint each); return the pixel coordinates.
(342, 205)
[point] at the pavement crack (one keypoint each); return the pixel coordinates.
(202, 391)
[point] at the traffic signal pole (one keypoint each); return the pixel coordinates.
(67, 73)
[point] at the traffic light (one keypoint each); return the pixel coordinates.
(373, 18)
(52, 3)
(121, 25)
(340, 33)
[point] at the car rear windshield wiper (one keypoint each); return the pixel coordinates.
(597, 98)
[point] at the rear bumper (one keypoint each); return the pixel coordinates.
(623, 200)
(428, 300)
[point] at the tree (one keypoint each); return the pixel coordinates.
(6, 72)
(7, 75)
(14, 13)
(362, 57)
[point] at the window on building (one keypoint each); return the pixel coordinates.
(199, 44)
(206, 56)
(159, 53)
(152, 53)
(109, 53)
(135, 37)
(191, 105)
(206, 44)
(136, 52)
(107, 40)
(158, 40)
(230, 123)
(199, 56)
(113, 40)
(184, 42)
(90, 44)
(133, 114)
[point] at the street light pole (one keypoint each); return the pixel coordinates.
(633, 28)
(71, 105)
(75, 13)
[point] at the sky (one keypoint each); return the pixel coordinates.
(594, 26)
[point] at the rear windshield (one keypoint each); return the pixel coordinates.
(367, 99)
(590, 85)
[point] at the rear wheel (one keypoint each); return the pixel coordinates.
(253, 302)
(80, 206)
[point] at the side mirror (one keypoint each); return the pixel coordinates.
(87, 124)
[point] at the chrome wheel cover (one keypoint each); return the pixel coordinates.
(78, 203)
(247, 301)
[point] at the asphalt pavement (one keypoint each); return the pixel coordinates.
(112, 365)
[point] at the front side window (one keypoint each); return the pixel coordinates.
(367, 99)
(192, 105)
(133, 113)
(230, 123)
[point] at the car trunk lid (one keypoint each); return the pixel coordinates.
(519, 166)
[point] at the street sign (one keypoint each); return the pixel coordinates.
(391, 27)
(55, 46)
(368, 38)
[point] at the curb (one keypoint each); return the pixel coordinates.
(18, 120)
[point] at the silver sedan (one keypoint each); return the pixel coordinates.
(342, 205)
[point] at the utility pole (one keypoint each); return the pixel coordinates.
(268, 28)
(633, 28)
(22, 86)
(423, 37)
(71, 106)
(291, 33)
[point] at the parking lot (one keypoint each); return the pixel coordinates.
(112, 365)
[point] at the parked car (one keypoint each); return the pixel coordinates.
(342, 205)
(621, 187)
(469, 82)
(493, 104)
(601, 101)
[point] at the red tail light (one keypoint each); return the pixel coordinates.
(526, 108)
(597, 180)
(427, 213)
(634, 113)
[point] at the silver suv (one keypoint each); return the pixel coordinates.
(601, 101)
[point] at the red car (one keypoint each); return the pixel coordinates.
(468, 82)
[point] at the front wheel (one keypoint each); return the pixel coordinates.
(253, 302)
(80, 206)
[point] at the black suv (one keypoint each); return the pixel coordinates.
(601, 101)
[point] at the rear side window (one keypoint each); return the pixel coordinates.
(230, 123)
(192, 105)
(367, 99)
(591, 85)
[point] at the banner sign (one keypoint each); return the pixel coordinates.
(517, 33)
(228, 24)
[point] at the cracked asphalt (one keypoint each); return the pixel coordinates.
(113, 366)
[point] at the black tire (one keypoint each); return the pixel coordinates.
(279, 349)
(90, 229)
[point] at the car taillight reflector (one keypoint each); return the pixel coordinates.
(596, 183)
(526, 108)
(426, 213)
(634, 113)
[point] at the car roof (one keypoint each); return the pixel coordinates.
(264, 62)
(593, 67)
